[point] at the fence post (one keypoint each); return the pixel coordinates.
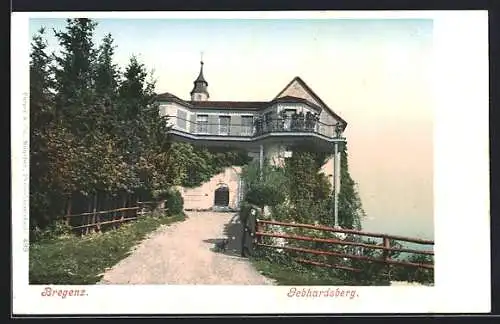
(116, 205)
(68, 211)
(387, 244)
(124, 206)
(87, 217)
(94, 217)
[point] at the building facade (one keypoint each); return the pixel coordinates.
(267, 130)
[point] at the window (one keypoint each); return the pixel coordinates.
(224, 123)
(181, 118)
(202, 124)
(246, 125)
(288, 113)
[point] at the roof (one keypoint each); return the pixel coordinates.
(251, 105)
(200, 77)
(229, 104)
(248, 105)
(200, 84)
(166, 96)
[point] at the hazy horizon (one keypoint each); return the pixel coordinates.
(374, 73)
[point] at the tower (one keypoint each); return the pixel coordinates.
(200, 92)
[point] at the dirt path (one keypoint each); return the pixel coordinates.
(181, 254)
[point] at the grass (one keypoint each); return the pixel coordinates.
(287, 273)
(82, 260)
(299, 276)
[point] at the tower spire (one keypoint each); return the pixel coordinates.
(200, 92)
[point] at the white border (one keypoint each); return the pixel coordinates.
(461, 183)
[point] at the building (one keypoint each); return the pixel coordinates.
(265, 129)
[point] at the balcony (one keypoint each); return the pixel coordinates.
(282, 129)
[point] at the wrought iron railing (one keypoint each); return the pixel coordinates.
(257, 128)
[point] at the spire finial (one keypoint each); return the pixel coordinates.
(199, 91)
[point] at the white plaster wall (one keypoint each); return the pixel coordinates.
(203, 197)
(327, 121)
(170, 109)
(327, 168)
(275, 154)
(199, 97)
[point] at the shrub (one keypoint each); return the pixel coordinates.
(174, 202)
(54, 230)
(263, 194)
(421, 275)
(161, 194)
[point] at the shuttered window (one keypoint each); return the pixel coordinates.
(224, 123)
(247, 125)
(181, 118)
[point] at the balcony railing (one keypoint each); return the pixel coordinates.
(258, 128)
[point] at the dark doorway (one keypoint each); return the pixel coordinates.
(221, 196)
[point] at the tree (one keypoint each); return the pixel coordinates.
(144, 139)
(106, 85)
(75, 74)
(79, 104)
(107, 73)
(41, 119)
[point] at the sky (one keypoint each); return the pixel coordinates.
(374, 73)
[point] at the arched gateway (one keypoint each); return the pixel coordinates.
(221, 196)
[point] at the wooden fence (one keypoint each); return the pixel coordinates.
(385, 258)
(94, 221)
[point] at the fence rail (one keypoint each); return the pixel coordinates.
(385, 258)
(104, 212)
(91, 221)
(256, 128)
(348, 231)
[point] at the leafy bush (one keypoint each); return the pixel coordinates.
(421, 275)
(263, 194)
(174, 202)
(54, 230)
